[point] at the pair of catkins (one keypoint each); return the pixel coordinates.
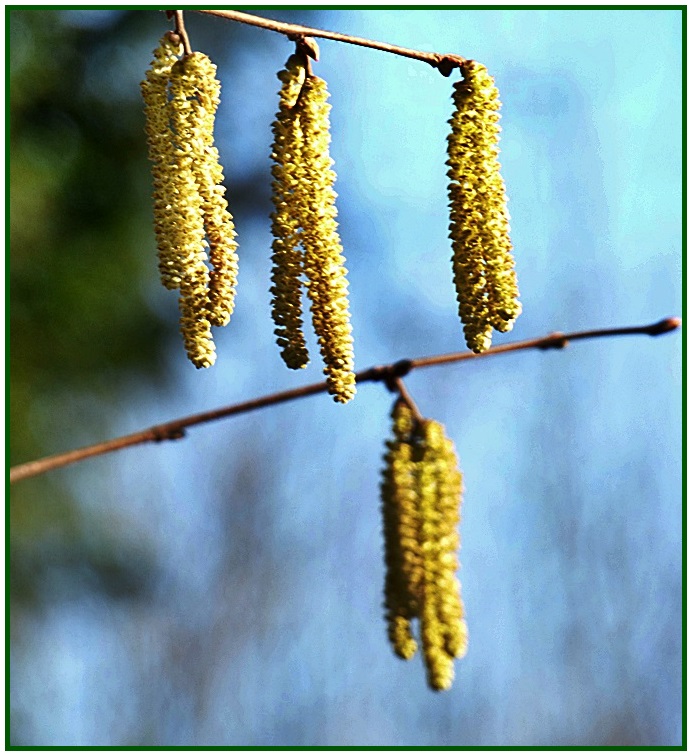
(196, 236)
(191, 218)
(421, 495)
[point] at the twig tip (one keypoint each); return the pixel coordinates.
(665, 326)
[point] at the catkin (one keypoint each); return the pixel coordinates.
(194, 229)
(482, 260)
(203, 99)
(160, 146)
(287, 257)
(421, 492)
(306, 241)
(403, 559)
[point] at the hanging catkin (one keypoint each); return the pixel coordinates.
(306, 240)
(161, 150)
(203, 90)
(287, 257)
(401, 524)
(191, 217)
(482, 258)
(421, 494)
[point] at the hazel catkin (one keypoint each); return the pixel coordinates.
(160, 147)
(482, 260)
(194, 229)
(287, 254)
(202, 90)
(306, 240)
(402, 556)
(324, 262)
(421, 493)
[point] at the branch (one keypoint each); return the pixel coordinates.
(388, 374)
(181, 31)
(399, 386)
(445, 64)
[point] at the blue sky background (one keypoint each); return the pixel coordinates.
(266, 624)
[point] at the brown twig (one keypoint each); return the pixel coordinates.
(182, 32)
(388, 374)
(408, 399)
(445, 64)
(306, 49)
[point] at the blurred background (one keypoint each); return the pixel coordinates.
(227, 589)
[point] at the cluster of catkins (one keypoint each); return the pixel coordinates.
(195, 235)
(192, 222)
(421, 495)
(482, 260)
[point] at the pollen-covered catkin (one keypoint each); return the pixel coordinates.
(403, 560)
(482, 259)
(190, 237)
(324, 262)
(202, 92)
(191, 218)
(306, 246)
(443, 629)
(421, 494)
(160, 144)
(287, 257)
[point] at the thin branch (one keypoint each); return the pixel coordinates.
(554, 341)
(408, 399)
(388, 374)
(182, 32)
(445, 64)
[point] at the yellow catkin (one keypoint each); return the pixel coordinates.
(203, 98)
(191, 218)
(400, 529)
(324, 262)
(482, 259)
(161, 148)
(190, 235)
(421, 494)
(451, 609)
(443, 630)
(287, 257)
(306, 243)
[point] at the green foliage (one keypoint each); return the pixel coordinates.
(80, 263)
(78, 220)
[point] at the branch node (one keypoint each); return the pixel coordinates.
(165, 433)
(402, 368)
(556, 340)
(392, 374)
(445, 64)
(305, 46)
